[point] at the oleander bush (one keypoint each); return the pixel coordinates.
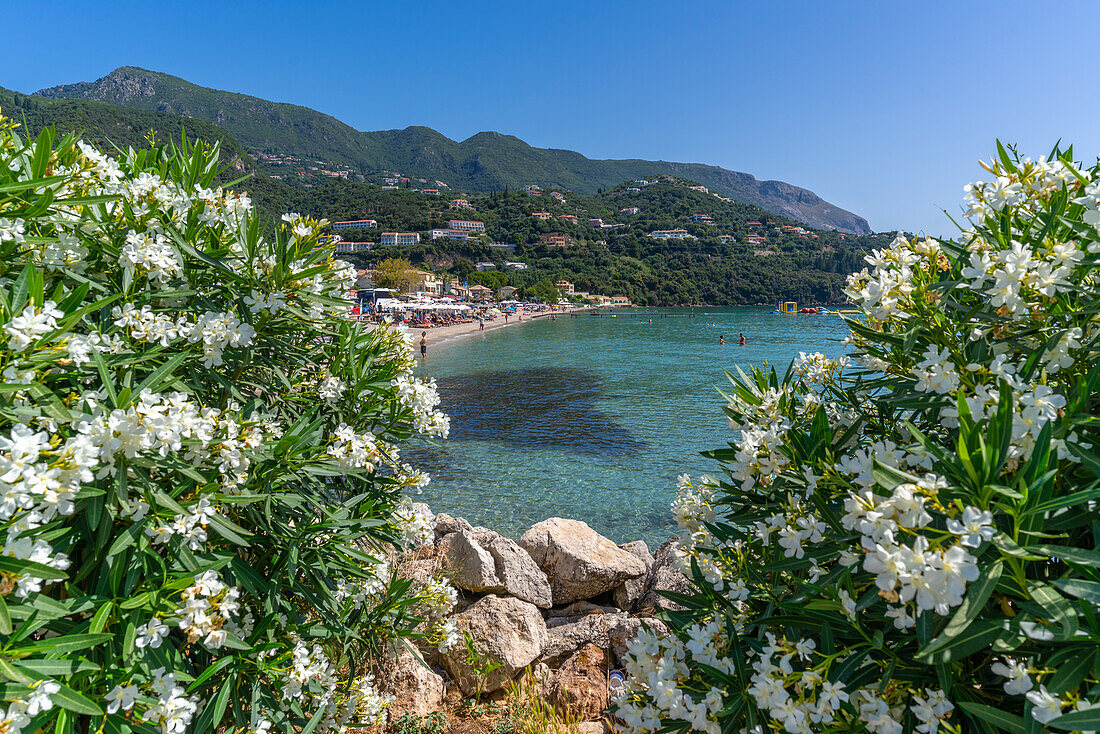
(199, 461)
(905, 539)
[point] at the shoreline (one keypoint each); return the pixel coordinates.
(441, 335)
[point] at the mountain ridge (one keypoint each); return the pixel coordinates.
(485, 161)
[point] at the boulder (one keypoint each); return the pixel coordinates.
(593, 727)
(505, 630)
(579, 688)
(569, 634)
(417, 690)
(445, 525)
(664, 576)
(579, 562)
(482, 561)
(628, 592)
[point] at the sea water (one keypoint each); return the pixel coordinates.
(594, 417)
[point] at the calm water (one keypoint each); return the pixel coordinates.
(594, 417)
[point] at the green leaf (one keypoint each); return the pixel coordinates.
(5, 618)
(1079, 556)
(1087, 590)
(1088, 720)
(99, 621)
(70, 700)
(56, 668)
(1055, 605)
(1071, 672)
(977, 636)
(994, 717)
(67, 643)
(39, 570)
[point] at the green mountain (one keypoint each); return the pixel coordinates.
(485, 162)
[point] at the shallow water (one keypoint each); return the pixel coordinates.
(594, 417)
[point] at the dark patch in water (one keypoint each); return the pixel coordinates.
(525, 408)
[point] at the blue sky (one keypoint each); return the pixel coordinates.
(882, 108)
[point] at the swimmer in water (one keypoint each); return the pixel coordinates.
(742, 340)
(722, 339)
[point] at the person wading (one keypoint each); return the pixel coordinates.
(423, 344)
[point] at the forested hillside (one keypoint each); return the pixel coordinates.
(790, 262)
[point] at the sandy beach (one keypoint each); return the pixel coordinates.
(444, 334)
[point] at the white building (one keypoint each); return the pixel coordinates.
(350, 248)
(356, 224)
(400, 238)
(515, 266)
(466, 225)
(450, 234)
(670, 234)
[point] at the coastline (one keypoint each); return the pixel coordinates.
(441, 335)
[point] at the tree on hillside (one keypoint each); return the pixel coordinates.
(395, 272)
(543, 290)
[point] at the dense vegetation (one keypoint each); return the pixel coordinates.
(487, 161)
(199, 458)
(905, 539)
(807, 267)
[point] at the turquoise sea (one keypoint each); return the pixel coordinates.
(594, 417)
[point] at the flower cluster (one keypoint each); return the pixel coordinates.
(170, 490)
(888, 517)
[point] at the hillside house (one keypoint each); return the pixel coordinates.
(508, 291)
(450, 234)
(351, 248)
(484, 265)
(564, 286)
(479, 292)
(356, 224)
(556, 240)
(427, 283)
(670, 234)
(460, 204)
(466, 225)
(399, 239)
(630, 210)
(542, 215)
(515, 266)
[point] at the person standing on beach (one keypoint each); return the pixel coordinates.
(481, 323)
(423, 344)
(506, 317)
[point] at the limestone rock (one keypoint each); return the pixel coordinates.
(416, 688)
(664, 576)
(628, 592)
(579, 562)
(593, 727)
(482, 561)
(445, 525)
(569, 634)
(580, 686)
(505, 630)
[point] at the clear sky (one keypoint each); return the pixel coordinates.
(882, 108)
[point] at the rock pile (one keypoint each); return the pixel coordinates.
(564, 600)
